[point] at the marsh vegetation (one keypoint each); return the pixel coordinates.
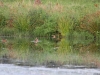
(68, 30)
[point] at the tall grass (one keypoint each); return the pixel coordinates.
(49, 16)
(63, 26)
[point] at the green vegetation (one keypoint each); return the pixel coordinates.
(26, 17)
(46, 51)
(74, 26)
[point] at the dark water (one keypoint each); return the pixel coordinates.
(50, 52)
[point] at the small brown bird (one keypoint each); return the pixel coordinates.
(36, 40)
(53, 36)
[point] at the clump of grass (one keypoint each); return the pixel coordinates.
(2, 21)
(63, 47)
(21, 24)
(37, 19)
(64, 25)
(42, 23)
(91, 22)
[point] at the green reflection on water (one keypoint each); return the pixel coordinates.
(74, 51)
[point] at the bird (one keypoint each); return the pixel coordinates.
(53, 36)
(36, 40)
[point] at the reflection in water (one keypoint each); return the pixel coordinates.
(49, 52)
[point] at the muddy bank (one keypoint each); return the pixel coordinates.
(51, 64)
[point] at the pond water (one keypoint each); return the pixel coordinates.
(57, 56)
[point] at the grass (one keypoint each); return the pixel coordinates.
(56, 15)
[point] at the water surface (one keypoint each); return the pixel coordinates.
(50, 52)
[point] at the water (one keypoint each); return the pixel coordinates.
(57, 57)
(17, 70)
